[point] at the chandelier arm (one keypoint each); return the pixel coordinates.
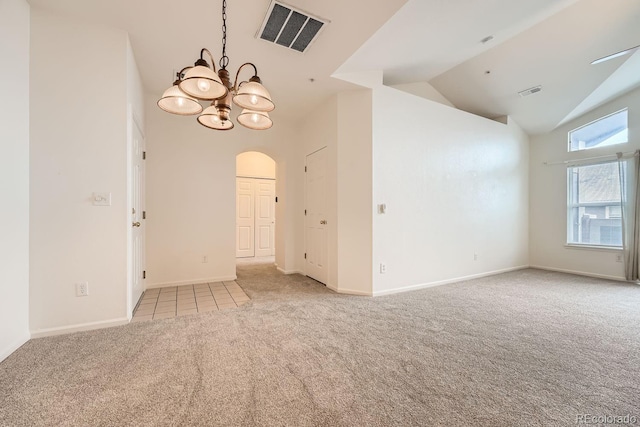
(180, 74)
(236, 86)
(213, 61)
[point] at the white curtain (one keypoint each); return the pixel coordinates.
(629, 173)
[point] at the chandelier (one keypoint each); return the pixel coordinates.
(202, 83)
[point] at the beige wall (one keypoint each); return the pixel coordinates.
(191, 175)
(78, 146)
(14, 175)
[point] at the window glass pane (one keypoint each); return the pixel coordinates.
(609, 130)
(594, 216)
(598, 183)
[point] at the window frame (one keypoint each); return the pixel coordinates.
(569, 150)
(571, 205)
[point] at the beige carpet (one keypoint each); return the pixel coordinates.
(523, 348)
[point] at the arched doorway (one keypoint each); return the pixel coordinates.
(255, 206)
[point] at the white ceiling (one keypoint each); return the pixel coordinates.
(536, 42)
(168, 35)
(548, 42)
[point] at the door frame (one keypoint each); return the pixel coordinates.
(134, 121)
(306, 195)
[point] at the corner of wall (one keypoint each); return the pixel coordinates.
(74, 153)
(355, 192)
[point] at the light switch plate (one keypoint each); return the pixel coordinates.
(101, 199)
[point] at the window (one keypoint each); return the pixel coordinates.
(610, 130)
(594, 214)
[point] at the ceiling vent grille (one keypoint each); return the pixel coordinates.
(530, 91)
(289, 27)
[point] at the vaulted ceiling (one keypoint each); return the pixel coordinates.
(535, 42)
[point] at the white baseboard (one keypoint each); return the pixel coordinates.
(580, 273)
(6, 352)
(79, 327)
(289, 271)
(447, 281)
(192, 282)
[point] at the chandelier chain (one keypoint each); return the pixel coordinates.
(224, 59)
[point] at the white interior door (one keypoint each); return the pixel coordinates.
(245, 218)
(265, 213)
(316, 217)
(137, 219)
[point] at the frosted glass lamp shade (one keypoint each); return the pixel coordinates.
(257, 120)
(202, 83)
(253, 96)
(176, 101)
(210, 118)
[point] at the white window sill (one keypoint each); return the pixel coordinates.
(593, 247)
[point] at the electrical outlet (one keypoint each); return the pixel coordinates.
(383, 268)
(82, 289)
(619, 258)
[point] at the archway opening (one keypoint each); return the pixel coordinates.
(255, 207)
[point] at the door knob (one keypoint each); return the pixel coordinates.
(323, 222)
(136, 224)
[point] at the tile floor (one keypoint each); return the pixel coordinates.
(164, 303)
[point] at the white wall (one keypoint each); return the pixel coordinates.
(289, 209)
(253, 164)
(342, 126)
(424, 90)
(190, 203)
(319, 131)
(355, 179)
(135, 88)
(78, 146)
(400, 157)
(14, 175)
(548, 195)
(454, 185)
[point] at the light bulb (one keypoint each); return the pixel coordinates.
(214, 119)
(253, 100)
(204, 85)
(180, 102)
(255, 118)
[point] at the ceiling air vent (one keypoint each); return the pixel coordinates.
(530, 91)
(288, 27)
